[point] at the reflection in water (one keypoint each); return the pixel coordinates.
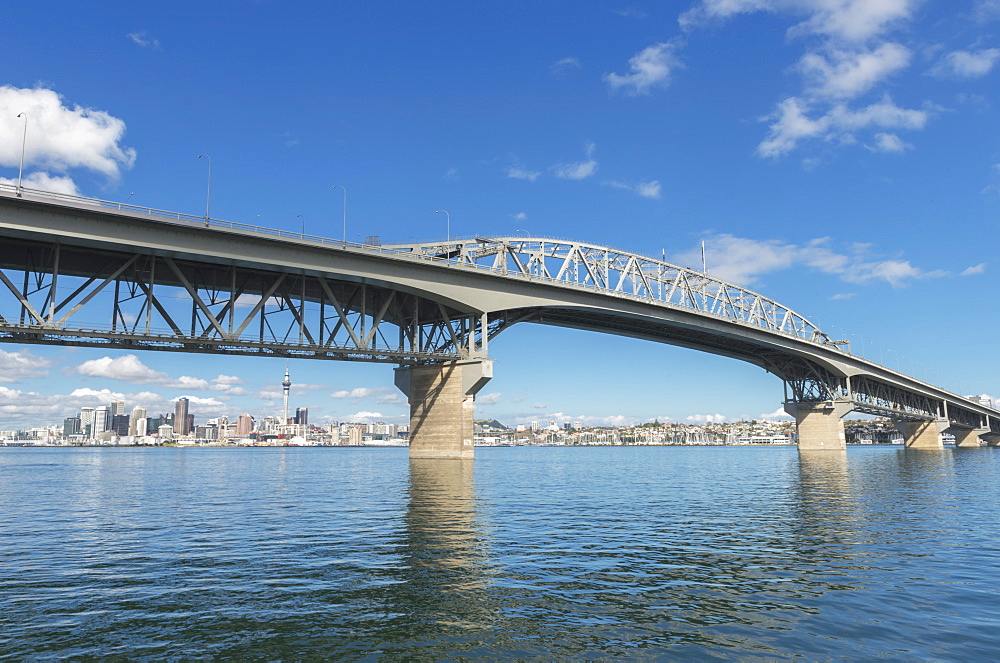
(441, 594)
(641, 553)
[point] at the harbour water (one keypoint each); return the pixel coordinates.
(529, 553)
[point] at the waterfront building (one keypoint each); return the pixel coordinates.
(302, 415)
(71, 426)
(244, 425)
(137, 413)
(87, 420)
(181, 416)
(102, 420)
(117, 408)
(166, 432)
(120, 424)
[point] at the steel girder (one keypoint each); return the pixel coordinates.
(71, 295)
(614, 272)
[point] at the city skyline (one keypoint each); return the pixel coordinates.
(837, 157)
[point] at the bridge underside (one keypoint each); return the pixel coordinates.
(70, 295)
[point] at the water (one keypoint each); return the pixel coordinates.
(527, 553)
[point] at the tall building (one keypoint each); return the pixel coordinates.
(302, 415)
(71, 426)
(137, 414)
(117, 408)
(181, 416)
(87, 420)
(102, 420)
(244, 425)
(286, 384)
(119, 424)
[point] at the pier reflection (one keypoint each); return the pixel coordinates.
(445, 550)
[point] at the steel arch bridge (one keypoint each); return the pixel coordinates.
(81, 271)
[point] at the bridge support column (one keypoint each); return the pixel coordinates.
(922, 434)
(968, 438)
(820, 425)
(442, 409)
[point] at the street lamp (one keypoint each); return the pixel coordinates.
(303, 225)
(448, 216)
(24, 138)
(208, 197)
(344, 189)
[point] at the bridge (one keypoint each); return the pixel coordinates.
(87, 272)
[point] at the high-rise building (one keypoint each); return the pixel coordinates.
(141, 427)
(102, 420)
(119, 424)
(87, 420)
(137, 414)
(117, 407)
(181, 416)
(244, 425)
(302, 415)
(71, 426)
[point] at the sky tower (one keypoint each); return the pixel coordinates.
(286, 384)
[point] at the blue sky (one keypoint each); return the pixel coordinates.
(839, 156)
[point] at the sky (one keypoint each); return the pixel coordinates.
(839, 156)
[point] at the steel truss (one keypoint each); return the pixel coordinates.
(624, 274)
(57, 294)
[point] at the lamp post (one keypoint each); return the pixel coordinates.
(24, 138)
(448, 216)
(208, 197)
(303, 225)
(344, 189)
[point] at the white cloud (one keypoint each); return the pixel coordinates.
(792, 124)
(227, 380)
(518, 173)
(143, 39)
(391, 399)
(975, 269)
(488, 399)
(359, 392)
(17, 366)
(777, 415)
(967, 64)
(888, 143)
(129, 368)
(843, 295)
(451, 175)
(846, 74)
(649, 189)
(520, 216)
(651, 67)
(45, 182)
(540, 406)
(58, 137)
(367, 417)
(564, 65)
(848, 56)
(579, 170)
(706, 418)
(986, 10)
(743, 261)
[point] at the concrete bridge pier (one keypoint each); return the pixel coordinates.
(968, 438)
(442, 405)
(820, 425)
(992, 439)
(922, 434)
